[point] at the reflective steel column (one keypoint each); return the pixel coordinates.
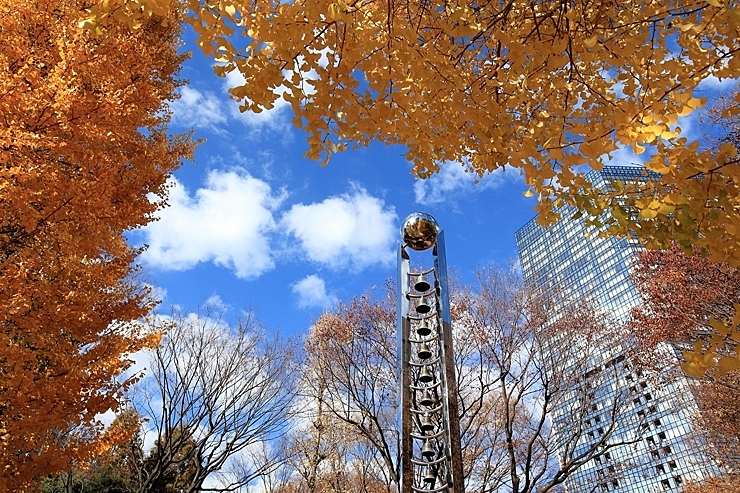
(431, 459)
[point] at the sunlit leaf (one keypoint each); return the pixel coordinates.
(728, 363)
(456, 83)
(719, 326)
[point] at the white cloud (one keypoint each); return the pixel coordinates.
(204, 109)
(227, 222)
(453, 181)
(625, 156)
(106, 418)
(354, 229)
(198, 109)
(311, 291)
(712, 83)
(139, 364)
(215, 301)
(274, 119)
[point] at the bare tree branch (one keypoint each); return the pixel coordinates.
(217, 394)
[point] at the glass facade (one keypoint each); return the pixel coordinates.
(658, 412)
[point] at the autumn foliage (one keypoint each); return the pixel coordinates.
(504, 361)
(691, 302)
(84, 157)
(682, 293)
(545, 87)
(729, 484)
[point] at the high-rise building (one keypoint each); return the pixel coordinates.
(654, 421)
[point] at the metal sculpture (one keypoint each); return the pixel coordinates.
(431, 459)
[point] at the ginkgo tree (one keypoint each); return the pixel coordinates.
(550, 88)
(84, 157)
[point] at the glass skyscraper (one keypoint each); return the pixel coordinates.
(657, 408)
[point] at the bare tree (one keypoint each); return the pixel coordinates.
(350, 376)
(510, 358)
(216, 397)
(557, 408)
(680, 296)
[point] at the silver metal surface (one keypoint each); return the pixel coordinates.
(419, 231)
(405, 423)
(431, 458)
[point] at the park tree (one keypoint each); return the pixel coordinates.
(543, 418)
(509, 375)
(351, 378)
(548, 88)
(171, 464)
(326, 455)
(84, 158)
(324, 452)
(690, 303)
(121, 468)
(730, 484)
(213, 403)
(683, 297)
(215, 396)
(111, 471)
(722, 120)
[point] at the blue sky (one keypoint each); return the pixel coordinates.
(254, 225)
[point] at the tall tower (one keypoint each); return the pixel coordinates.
(431, 459)
(572, 258)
